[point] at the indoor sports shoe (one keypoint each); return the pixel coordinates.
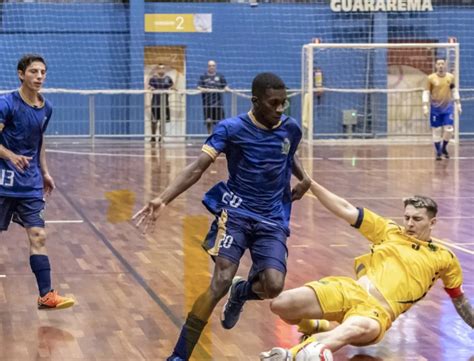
(232, 308)
(314, 351)
(174, 357)
(445, 154)
(52, 300)
(276, 354)
(438, 157)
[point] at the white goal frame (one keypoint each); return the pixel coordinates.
(307, 77)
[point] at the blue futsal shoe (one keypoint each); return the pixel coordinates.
(232, 308)
(173, 357)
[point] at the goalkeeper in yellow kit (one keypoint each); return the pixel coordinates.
(441, 90)
(404, 263)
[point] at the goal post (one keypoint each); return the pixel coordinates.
(364, 91)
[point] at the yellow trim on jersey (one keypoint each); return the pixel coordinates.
(221, 230)
(258, 124)
(31, 104)
(210, 151)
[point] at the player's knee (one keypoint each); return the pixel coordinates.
(371, 330)
(437, 132)
(280, 304)
(273, 288)
(363, 332)
(220, 284)
(37, 238)
(448, 132)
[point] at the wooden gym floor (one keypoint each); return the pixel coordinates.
(133, 292)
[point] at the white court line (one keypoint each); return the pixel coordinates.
(441, 217)
(385, 158)
(3, 276)
(117, 154)
(195, 156)
(65, 221)
(309, 194)
(455, 245)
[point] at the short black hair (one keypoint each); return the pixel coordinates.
(264, 81)
(27, 59)
(423, 202)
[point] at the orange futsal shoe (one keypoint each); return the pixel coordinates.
(52, 300)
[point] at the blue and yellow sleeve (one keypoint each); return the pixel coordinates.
(210, 151)
(217, 141)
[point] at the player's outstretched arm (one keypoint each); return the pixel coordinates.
(335, 204)
(302, 187)
(464, 309)
(188, 176)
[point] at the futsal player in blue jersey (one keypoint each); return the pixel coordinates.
(442, 89)
(24, 175)
(252, 208)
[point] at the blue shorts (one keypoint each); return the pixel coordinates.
(439, 120)
(231, 234)
(27, 212)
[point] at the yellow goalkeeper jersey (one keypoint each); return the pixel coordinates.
(440, 89)
(402, 267)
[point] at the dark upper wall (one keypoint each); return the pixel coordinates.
(89, 46)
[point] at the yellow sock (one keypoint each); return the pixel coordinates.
(308, 327)
(295, 349)
(323, 326)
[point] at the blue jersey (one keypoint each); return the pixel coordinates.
(23, 127)
(260, 163)
(216, 81)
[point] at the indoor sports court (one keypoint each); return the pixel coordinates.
(355, 74)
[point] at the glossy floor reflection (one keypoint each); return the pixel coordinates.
(133, 292)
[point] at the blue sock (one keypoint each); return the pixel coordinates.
(438, 148)
(243, 292)
(445, 144)
(39, 264)
(189, 337)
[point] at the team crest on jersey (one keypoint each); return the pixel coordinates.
(285, 146)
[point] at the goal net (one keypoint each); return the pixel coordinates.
(370, 90)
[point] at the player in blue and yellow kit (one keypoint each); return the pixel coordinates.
(403, 265)
(24, 175)
(252, 208)
(442, 89)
